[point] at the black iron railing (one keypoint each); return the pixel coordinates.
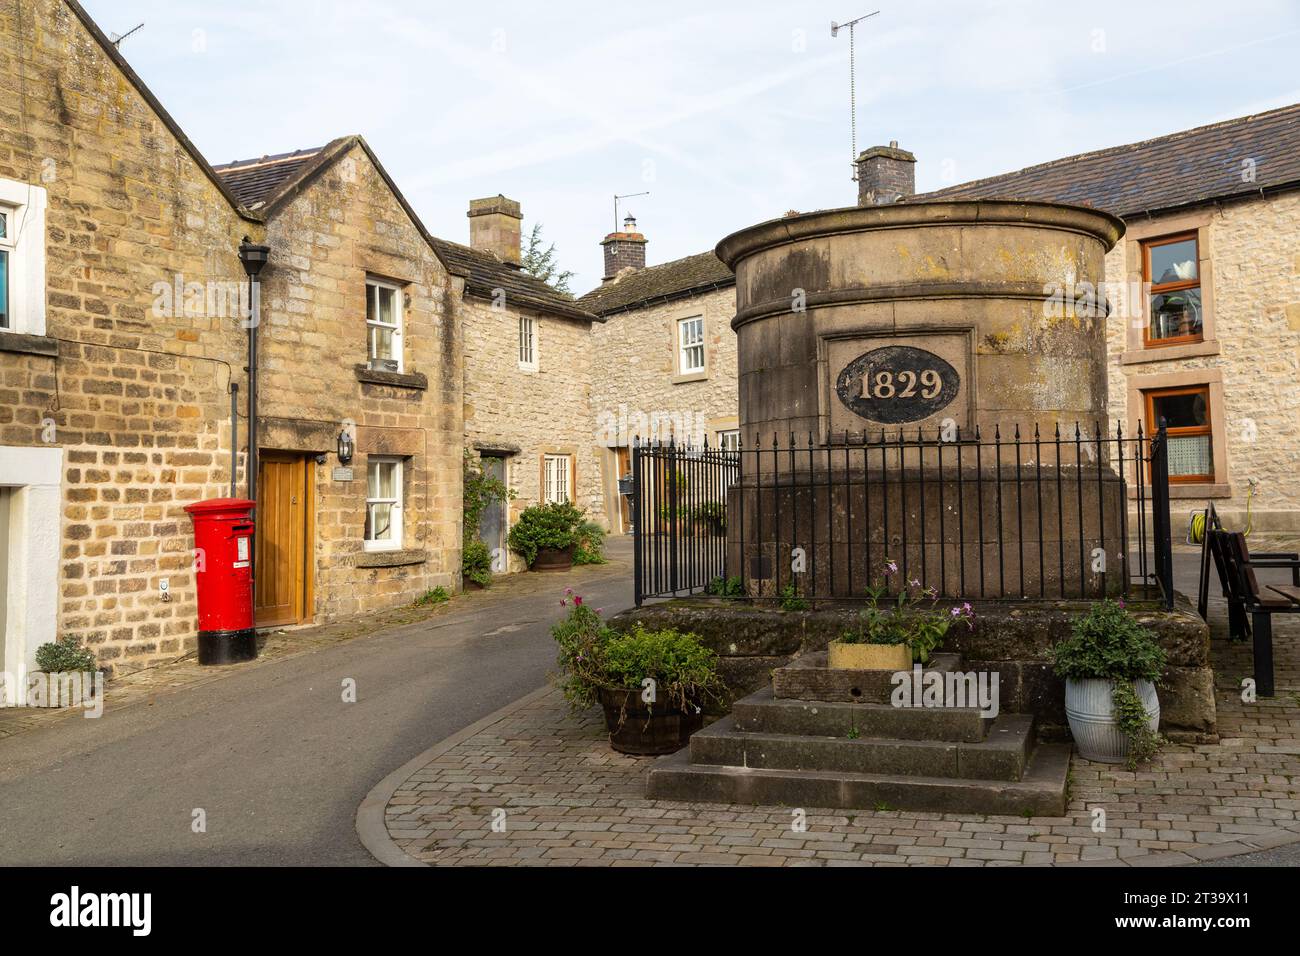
(1011, 516)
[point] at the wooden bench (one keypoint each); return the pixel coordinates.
(1259, 602)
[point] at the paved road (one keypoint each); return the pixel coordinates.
(273, 755)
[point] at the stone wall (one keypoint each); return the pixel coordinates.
(131, 384)
(637, 391)
(1250, 275)
(344, 226)
(530, 412)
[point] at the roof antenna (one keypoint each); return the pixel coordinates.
(117, 38)
(624, 196)
(853, 93)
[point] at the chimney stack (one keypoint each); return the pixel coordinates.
(886, 174)
(494, 227)
(623, 250)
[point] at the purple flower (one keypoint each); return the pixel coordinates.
(600, 610)
(568, 590)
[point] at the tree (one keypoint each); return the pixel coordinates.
(539, 260)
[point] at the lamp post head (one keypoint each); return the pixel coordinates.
(345, 447)
(254, 257)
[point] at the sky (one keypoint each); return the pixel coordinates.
(726, 113)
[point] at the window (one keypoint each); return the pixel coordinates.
(729, 440)
(384, 325)
(383, 504)
(1172, 266)
(690, 345)
(527, 342)
(557, 474)
(1186, 412)
(6, 249)
(22, 258)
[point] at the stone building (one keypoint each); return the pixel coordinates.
(529, 372)
(1214, 212)
(666, 356)
(119, 343)
(360, 336)
(1204, 290)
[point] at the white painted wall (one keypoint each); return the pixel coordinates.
(31, 582)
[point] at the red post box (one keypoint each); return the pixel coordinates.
(223, 564)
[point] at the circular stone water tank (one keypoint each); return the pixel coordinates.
(967, 283)
(897, 367)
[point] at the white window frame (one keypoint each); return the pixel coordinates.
(729, 439)
(685, 346)
(551, 464)
(24, 206)
(528, 343)
(399, 479)
(395, 325)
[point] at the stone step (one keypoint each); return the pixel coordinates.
(1040, 791)
(1001, 755)
(763, 712)
(808, 678)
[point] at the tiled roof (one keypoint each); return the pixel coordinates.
(253, 181)
(485, 273)
(1181, 169)
(662, 283)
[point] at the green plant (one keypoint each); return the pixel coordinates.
(553, 525)
(853, 733)
(433, 596)
(1108, 643)
(593, 656)
(790, 600)
(711, 512)
(480, 490)
(589, 543)
(64, 656)
(909, 616)
(732, 587)
(476, 562)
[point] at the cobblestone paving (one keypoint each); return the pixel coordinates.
(569, 800)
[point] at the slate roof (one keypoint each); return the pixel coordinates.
(1182, 169)
(485, 273)
(662, 283)
(253, 181)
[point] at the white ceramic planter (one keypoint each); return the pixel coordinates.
(1091, 715)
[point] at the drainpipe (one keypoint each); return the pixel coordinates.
(234, 435)
(254, 259)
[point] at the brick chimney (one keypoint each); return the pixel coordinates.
(623, 250)
(494, 227)
(886, 174)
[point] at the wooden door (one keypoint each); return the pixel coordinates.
(624, 501)
(282, 583)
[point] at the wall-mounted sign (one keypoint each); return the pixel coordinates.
(342, 474)
(896, 384)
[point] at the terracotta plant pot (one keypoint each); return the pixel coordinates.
(868, 657)
(636, 727)
(553, 559)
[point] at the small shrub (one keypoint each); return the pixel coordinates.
(476, 562)
(790, 599)
(910, 617)
(589, 544)
(553, 525)
(432, 597)
(732, 587)
(65, 656)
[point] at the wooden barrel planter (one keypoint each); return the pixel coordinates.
(635, 729)
(554, 559)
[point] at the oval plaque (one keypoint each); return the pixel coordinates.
(896, 384)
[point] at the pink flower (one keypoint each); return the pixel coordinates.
(600, 610)
(568, 590)
(577, 601)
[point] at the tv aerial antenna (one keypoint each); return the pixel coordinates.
(625, 196)
(853, 86)
(117, 38)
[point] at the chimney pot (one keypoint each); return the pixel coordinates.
(494, 227)
(886, 174)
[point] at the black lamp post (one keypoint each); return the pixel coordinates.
(254, 259)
